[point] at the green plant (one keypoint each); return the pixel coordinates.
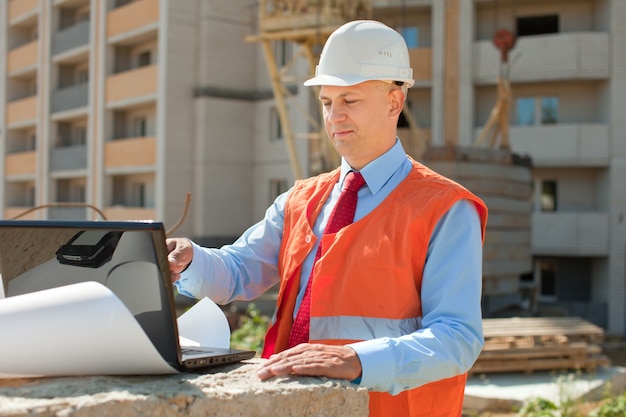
(251, 331)
(615, 407)
(539, 407)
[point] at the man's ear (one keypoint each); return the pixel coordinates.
(396, 101)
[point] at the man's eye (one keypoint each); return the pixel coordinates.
(349, 102)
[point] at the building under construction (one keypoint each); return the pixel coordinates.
(129, 105)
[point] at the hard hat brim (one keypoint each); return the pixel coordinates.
(348, 80)
(339, 81)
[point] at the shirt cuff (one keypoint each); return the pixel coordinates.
(376, 372)
(190, 282)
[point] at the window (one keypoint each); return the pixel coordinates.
(79, 135)
(276, 129)
(549, 110)
(531, 111)
(283, 53)
(138, 195)
(537, 25)
(82, 75)
(548, 195)
(277, 187)
(31, 142)
(82, 15)
(140, 126)
(411, 36)
(71, 191)
(32, 87)
(144, 59)
(547, 280)
(525, 111)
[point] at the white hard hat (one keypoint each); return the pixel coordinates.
(363, 50)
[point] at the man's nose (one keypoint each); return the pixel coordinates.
(335, 113)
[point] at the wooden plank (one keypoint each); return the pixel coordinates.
(542, 326)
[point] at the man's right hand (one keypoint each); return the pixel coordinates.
(180, 254)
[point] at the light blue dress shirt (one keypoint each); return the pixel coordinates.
(451, 335)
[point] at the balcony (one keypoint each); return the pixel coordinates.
(22, 58)
(70, 98)
(21, 164)
(133, 85)
(576, 145)
(19, 9)
(132, 18)
(22, 112)
(129, 213)
(570, 234)
(563, 56)
(14, 211)
(67, 213)
(68, 158)
(133, 152)
(71, 38)
(422, 64)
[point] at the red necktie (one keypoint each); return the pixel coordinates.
(342, 215)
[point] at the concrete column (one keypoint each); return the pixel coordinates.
(617, 257)
(451, 72)
(3, 100)
(465, 80)
(437, 94)
(97, 118)
(45, 84)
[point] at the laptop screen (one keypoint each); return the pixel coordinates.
(129, 258)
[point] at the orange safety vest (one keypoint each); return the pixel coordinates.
(367, 282)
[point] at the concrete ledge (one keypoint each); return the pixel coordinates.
(232, 390)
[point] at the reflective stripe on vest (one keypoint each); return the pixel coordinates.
(361, 328)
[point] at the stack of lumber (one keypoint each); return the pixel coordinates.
(528, 344)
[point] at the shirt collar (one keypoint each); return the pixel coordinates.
(377, 172)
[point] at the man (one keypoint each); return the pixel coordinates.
(394, 297)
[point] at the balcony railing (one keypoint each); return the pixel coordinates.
(22, 112)
(69, 98)
(132, 17)
(19, 8)
(133, 152)
(20, 163)
(67, 213)
(68, 158)
(132, 84)
(23, 57)
(563, 145)
(570, 234)
(562, 56)
(129, 213)
(14, 211)
(71, 37)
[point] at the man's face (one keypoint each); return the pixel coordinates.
(361, 119)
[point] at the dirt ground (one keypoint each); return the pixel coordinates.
(614, 348)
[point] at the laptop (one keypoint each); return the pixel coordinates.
(128, 257)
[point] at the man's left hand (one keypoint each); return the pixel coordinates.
(339, 362)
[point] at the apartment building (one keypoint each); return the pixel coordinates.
(568, 78)
(129, 105)
(97, 107)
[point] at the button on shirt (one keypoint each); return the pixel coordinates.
(451, 334)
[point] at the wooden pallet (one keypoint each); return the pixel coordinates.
(540, 343)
